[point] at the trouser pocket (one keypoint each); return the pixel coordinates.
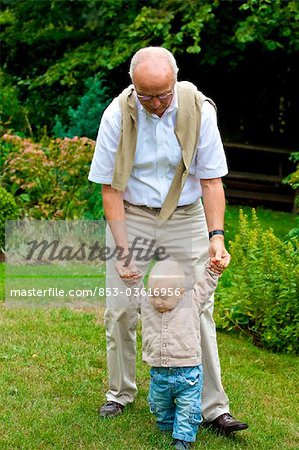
(195, 417)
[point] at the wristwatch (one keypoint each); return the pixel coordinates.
(215, 232)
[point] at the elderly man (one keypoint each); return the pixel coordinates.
(158, 153)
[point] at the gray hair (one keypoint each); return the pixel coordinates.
(146, 52)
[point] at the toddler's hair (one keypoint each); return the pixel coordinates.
(169, 272)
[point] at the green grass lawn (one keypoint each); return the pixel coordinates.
(53, 379)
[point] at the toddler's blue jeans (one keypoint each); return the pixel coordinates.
(175, 399)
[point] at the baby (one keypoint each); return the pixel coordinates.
(171, 345)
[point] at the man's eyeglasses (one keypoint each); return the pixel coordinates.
(147, 98)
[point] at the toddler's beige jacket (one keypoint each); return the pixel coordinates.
(172, 338)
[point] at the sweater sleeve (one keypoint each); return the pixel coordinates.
(205, 287)
(136, 291)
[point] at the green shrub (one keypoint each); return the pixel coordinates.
(49, 179)
(8, 211)
(85, 119)
(293, 178)
(259, 293)
(12, 114)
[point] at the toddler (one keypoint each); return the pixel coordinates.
(171, 345)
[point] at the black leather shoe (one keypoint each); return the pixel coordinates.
(227, 424)
(111, 409)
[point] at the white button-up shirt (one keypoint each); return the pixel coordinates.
(157, 154)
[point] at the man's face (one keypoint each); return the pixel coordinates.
(154, 79)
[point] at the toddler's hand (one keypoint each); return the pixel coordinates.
(218, 266)
(127, 271)
(129, 274)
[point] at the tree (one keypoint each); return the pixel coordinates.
(50, 48)
(84, 120)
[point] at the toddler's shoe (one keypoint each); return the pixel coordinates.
(181, 445)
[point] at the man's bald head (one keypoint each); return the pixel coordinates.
(154, 72)
(153, 59)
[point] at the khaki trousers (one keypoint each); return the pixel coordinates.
(185, 237)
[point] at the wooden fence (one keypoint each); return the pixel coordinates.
(255, 176)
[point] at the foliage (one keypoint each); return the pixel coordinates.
(50, 48)
(293, 178)
(292, 237)
(8, 211)
(49, 179)
(175, 24)
(85, 119)
(12, 114)
(275, 24)
(259, 295)
(280, 221)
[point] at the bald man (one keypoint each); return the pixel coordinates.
(134, 213)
